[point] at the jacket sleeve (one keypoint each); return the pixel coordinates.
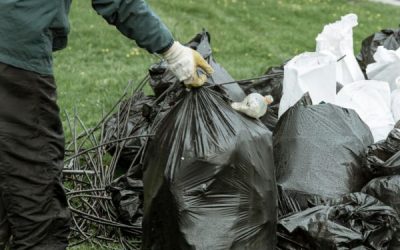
(137, 21)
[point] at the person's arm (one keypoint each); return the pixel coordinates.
(137, 21)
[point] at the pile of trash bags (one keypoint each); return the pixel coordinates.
(305, 157)
(338, 160)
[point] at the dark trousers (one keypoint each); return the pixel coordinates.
(33, 206)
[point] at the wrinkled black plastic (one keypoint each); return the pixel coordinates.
(383, 158)
(127, 198)
(388, 38)
(272, 85)
(138, 114)
(354, 221)
(209, 180)
(385, 189)
(319, 151)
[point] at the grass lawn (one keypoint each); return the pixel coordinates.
(247, 36)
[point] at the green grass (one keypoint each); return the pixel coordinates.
(247, 36)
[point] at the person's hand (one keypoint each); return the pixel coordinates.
(184, 61)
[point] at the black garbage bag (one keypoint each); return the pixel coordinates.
(270, 84)
(162, 78)
(395, 243)
(319, 152)
(270, 119)
(127, 198)
(388, 38)
(138, 115)
(209, 179)
(383, 158)
(354, 221)
(385, 189)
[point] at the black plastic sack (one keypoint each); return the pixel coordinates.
(388, 38)
(383, 158)
(271, 84)
(137, 115)
(385, 189)
(354, 221)
(162, 78)
(318, 152)
(127, 198)
(209, 180)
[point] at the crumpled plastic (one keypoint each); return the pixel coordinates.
(310, 72)
(386, 67)
(254, 105)
(139, 114)
(209, 179)
(388, 38)
(383, 158)
(372, 101)
(337, 39)
(319, 152)
(127, 198)
(354, 221)
(385, 189)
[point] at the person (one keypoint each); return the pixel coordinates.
(33, 205)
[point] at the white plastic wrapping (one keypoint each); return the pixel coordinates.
(311, 72)
(371, 100)
(396, 101)
(337, 39)
(387, 66)
(254, 105)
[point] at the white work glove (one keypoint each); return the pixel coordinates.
(184, 61)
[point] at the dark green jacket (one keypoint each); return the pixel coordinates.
(30, 30)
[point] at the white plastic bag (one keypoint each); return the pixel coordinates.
(371, 100)
(337, 39)
(387, 66)
(254, 105)
(309, 72)
(396, 101)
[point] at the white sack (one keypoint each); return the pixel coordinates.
(337, 39)
(371, 100)
(396, 101)
(309, 72)
(387, 66)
